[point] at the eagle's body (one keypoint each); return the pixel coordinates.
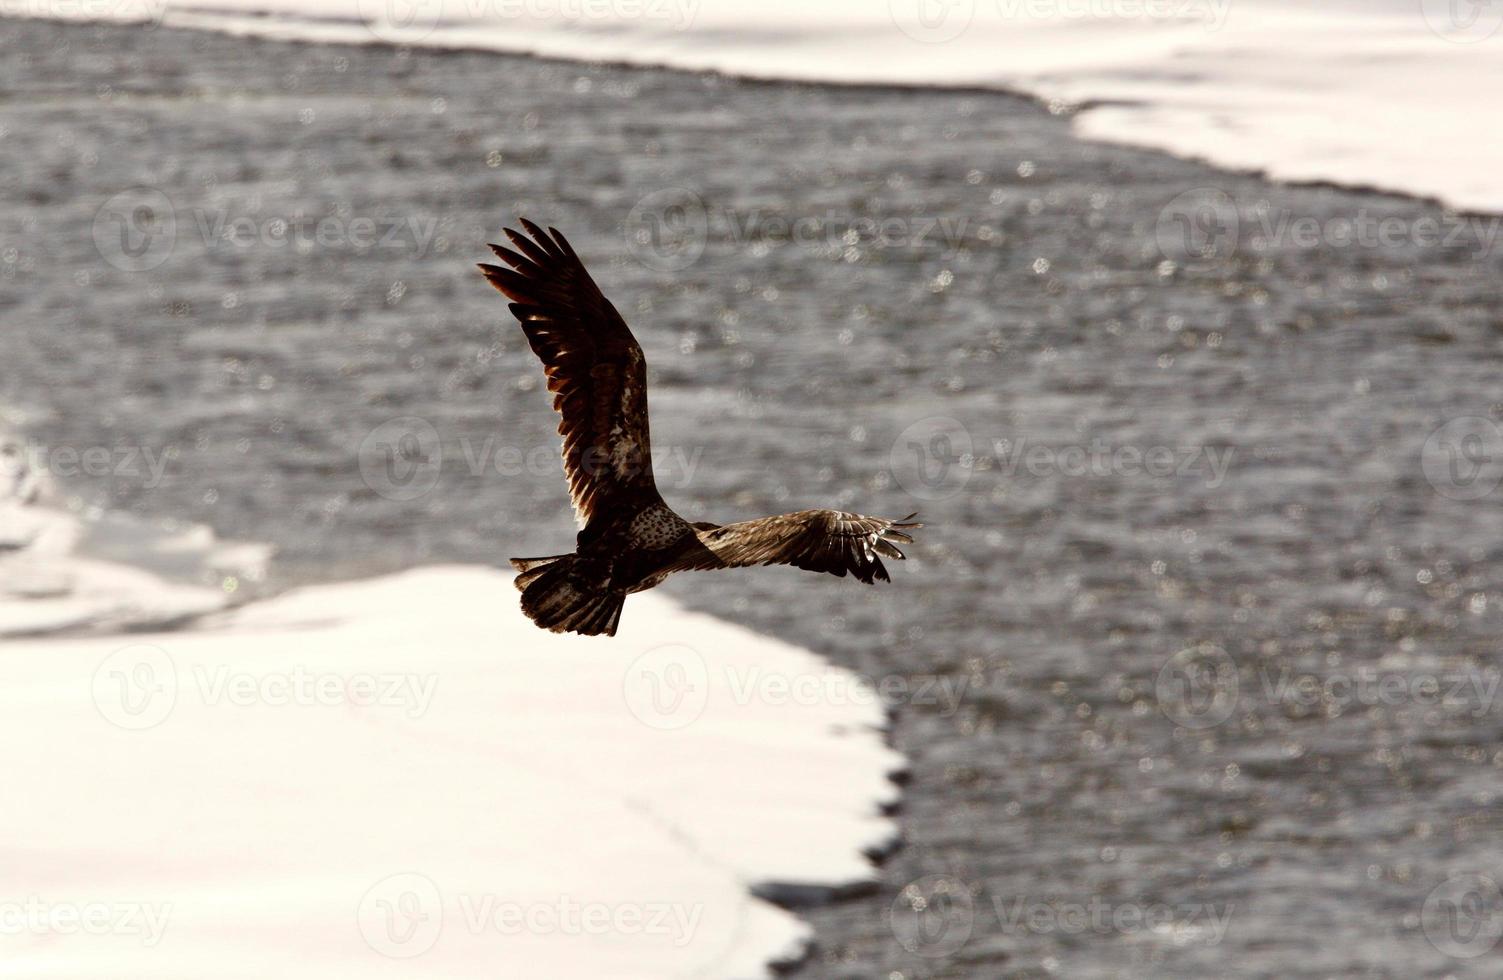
(631, 539)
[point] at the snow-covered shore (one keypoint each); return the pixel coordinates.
(1391, 94)
(403, 776)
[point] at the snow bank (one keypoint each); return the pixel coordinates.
(74, 568)
(1390, 93)
(403, 777)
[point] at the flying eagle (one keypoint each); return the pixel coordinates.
(631, 540)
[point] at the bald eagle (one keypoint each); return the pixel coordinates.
(631, 540)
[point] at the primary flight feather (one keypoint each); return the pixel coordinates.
(631, 540)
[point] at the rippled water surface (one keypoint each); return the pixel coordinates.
(1226, 648)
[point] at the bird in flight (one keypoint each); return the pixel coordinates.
(630, 539)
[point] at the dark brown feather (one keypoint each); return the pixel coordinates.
(594, 365)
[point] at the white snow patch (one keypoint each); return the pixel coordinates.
(403, 777)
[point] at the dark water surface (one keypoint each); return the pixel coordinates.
(1252, 687)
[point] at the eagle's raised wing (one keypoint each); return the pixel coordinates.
(595, 369)
(818, 540)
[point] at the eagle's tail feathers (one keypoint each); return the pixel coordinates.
(557, 599)
(531, 568)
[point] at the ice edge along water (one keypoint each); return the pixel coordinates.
(1355, 94)
(371, 778)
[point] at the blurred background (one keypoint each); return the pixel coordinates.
(1192, 671)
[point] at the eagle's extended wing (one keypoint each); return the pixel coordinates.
(818, 540)
(595, 369)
